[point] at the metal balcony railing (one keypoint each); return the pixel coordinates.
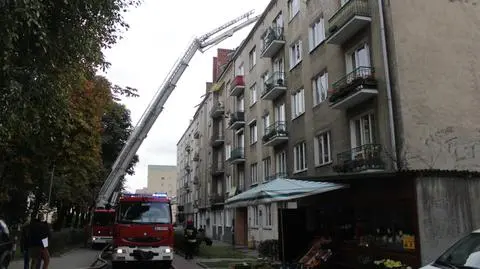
(217, 110)
(196, 157)
(217, 168)
(349, 10)
(365, 157)
(237, 153)
(279, 128)
(235, 117)
(275, 79)
(217, 198)
(361, 76)
(272, 34)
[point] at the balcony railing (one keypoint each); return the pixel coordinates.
(217, 168)
(237, 155)
(275, 134)
(348, 20)
(354, 88)
(363, 158)
(275, 86)
(188, 148)
(238, 85)
(196, 135)
(196, 157)
(217, 198)
(237, 120)
(196, 180)
(272, 41)
(188, 168)
(217, 140)
(217, 110)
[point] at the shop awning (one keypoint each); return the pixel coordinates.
(281, 189)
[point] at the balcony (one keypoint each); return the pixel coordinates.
(196, 135)
(237, 156)
(217, 110)
(237, 120)
(238, 85)
(348, 20)
(275, 134)
(188, 148)
(196, 180)
(217, 140)
(196, 157)
(217, 169)
(354, 88)
(272, 42)
(366, 158)
(216, 199)
(275, 86)
(186, 187)
(188, 168)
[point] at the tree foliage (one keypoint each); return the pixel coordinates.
(52, 105)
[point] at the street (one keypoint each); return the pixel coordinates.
(75, 259)
(83, 258)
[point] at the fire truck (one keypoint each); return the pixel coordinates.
(143, 231)
(145, 235)
(102, 226)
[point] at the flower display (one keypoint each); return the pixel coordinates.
(388, 263)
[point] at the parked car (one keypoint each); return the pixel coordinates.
(6, 245)
(465, 253)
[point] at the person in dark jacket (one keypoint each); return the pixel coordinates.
(25, 244)
(190, 238)
(38, 251)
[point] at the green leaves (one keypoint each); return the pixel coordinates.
(49, 113)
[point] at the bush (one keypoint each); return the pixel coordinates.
(268, 249)
(62, 240)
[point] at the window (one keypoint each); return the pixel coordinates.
(360, 57)
(253, 94)
(267, 164)
(253, 133)
(228, 151)
(295, 53)
(293, 8)
(322, 149)
(255, 216)
(268, 215)
(266, 123)
(253, 173)
(320, 88)
(281, 163)
(240, 104)
(252, 57)
(362, 130)
(241, 70)
(300, 157)
(229, 184)
(298, 103)
(316, 33)
(145, 212)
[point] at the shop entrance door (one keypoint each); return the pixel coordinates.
(295, 241)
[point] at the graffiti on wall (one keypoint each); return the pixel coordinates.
(449, 149)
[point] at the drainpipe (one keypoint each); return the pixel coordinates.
(387, 82)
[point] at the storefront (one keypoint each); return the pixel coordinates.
(371, 221)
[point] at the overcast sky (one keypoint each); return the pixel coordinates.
(159, 33)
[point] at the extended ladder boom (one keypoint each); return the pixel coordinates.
(156, 105)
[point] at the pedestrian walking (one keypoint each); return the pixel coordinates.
(25, 244)
(191, 239)
(39, 237)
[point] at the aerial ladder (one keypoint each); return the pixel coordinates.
(107, 195)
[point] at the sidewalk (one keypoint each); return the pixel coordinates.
(75, 259)
(180, 263)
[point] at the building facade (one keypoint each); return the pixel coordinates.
(162, 178)
(335, 87)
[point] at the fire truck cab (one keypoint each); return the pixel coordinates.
(102, 226)
(143, 232)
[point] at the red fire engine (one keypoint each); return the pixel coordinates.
(143, 230)
(102, 226)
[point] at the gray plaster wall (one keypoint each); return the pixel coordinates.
(448, 209)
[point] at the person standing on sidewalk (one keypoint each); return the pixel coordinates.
(191, 239)
(39, 231)
(25, 244)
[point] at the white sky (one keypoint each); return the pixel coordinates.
(159, 33)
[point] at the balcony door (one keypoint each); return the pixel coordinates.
(241, 140)
(280, 115)
(359, 57)
(240, 103)
(281, 163)
(279, 67)
(278, 21)
(362, 132)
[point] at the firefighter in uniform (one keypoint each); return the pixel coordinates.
(190, 238)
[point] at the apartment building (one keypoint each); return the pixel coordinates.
(328, 88)
(162, 178)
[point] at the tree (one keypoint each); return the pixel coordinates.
(48, 48)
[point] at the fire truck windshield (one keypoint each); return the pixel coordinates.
(103, 218)
(145, 212)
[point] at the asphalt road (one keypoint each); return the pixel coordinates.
(75, 259)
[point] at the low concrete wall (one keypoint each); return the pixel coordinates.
(448, 209)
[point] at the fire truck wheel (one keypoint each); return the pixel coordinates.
(118, 265)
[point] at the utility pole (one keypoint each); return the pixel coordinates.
(51, 185)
